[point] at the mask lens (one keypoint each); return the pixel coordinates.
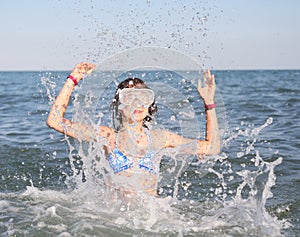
(128, 95)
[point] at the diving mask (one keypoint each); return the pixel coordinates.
(128, 95)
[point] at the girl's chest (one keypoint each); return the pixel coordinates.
(138, 144)
(133, 144)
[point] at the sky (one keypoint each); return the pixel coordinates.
(220, 34)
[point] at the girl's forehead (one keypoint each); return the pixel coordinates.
(138, 85)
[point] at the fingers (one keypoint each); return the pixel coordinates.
(208, 87)
(82, 69)
(85, 67)
(213, 79)
(208, 78)
(199, 85)
(89, 68)
(206, 75)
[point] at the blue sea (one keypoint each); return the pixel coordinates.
(50, 184)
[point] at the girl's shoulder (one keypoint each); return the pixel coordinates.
(159, 137)
(161, 132)
(157, 132)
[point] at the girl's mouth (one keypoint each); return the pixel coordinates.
(137, 111)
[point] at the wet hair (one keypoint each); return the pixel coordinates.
(117, 116)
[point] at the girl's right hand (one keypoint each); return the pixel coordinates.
(82, 69)
(207, 91)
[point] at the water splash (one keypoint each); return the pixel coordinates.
(229, 200)
(225, 195)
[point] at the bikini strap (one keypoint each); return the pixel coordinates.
(116, 140)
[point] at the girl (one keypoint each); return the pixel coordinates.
(131, 147)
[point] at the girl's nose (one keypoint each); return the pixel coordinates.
(136, 102)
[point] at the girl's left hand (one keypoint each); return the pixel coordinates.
(207, 91)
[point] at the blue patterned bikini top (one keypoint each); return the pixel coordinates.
(119, 162)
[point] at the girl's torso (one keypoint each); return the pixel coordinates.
(133, 158)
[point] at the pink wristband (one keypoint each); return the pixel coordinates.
(73, 79)
(210, 106)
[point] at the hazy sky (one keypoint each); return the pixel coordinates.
(222, 34)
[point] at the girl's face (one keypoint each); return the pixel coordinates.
(134, 103)
(135, 113)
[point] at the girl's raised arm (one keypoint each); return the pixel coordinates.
(211, 144)
(56, 118)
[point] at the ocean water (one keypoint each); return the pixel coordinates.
(50, 185)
